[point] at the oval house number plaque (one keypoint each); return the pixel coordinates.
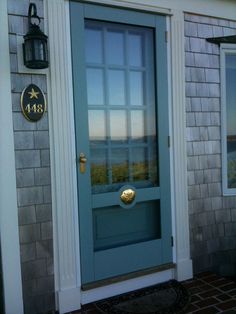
(33, 103)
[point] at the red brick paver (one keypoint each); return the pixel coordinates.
(209, 292)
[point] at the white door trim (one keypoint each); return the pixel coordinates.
(180, 195)
(63, 158)
(9, 231)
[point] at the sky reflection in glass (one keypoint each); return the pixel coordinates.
(116, 83)
(137, 124)
(121, 104)
(95, 86)
(231, 94)
(115, 48)
(231, 118)
(136, 88)
(135, 49)
(118, 125)
(97, 127)
(93, 39)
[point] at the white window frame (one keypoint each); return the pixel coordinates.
(225, 49)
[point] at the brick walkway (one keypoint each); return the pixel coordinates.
(209, 294)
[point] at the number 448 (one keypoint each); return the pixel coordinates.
(35, 108)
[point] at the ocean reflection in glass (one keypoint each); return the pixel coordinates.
(231, 117)
(121, 104)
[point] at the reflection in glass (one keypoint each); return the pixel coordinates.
(231, 117)
(136, 88)
(121, 106)
(144, 165)
(115, 47)
(120, 169)
(95, 83)
(135, 49)
(99, 168)
(137, 125)
(139, 164)
(93, 38)
(118, 125)
(97, 127)
(116, 83)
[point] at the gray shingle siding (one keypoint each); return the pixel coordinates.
(33, 178)
(211, 215)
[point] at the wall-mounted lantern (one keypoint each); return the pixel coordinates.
(35, 47)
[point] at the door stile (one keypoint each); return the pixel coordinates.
(82, 140)
(163, 129)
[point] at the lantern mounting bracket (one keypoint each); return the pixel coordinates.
(32, 14)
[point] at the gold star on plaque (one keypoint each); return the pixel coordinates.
(33, 94)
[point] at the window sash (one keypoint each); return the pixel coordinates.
(226, 49)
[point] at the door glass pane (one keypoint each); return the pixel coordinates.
(123, 131)
(93, 39)
(135, 49)
(137, 126)
(99, 167)
(136, 88)
(144, 166)
(139, 164)
(115, 47)
(97, 127)
(119, 162)
(118, 126)
(116, 85)
(95, 85)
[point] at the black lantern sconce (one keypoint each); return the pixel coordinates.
(35, 47)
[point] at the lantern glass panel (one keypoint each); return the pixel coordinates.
(39, 49)
(28, 50)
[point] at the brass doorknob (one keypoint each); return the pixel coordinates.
(127, 196)
(82, 158)
(82, 162)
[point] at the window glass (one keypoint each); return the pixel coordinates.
(230, 98)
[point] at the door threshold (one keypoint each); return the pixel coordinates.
(140, 273)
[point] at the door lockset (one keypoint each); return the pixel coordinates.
(82, 162)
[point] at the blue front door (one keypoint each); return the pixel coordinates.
(121, 118)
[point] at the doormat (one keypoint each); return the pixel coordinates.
(168, 297)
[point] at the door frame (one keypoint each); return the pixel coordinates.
(63, 160)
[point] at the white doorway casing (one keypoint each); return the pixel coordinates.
(63, 163)
(9, 231)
